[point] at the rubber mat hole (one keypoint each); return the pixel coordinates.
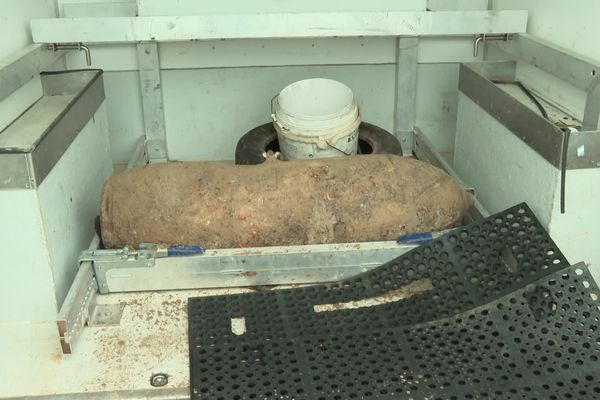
(509, 260)
(412, 289)
(238, 326)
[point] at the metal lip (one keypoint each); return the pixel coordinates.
(475, 81)
(45, 149)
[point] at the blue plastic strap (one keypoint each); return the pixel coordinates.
(415, 238)
(174, 251)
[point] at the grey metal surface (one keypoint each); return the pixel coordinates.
(59, 136)
(244, 267)
(584, 150)
(15, 171)
(591, 112)
(152, 101)
(475, 81)
(23, 66)
(45, 131)
(405, 99)
(424, 151)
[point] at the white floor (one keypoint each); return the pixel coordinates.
(151, 338)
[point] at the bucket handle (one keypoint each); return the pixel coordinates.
(338, 149)
(273, 117)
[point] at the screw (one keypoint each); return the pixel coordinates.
(159, 379)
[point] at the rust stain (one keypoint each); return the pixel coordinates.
(56, 358)
(250, 273)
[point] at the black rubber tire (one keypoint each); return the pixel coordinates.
(251, 146)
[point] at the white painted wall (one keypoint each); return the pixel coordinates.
(14, 22)
(570, 24)
(201, 79)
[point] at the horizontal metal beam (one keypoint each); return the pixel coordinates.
(263, 266)
(276, 25)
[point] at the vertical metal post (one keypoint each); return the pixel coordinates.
(152, 102)
(406, 92)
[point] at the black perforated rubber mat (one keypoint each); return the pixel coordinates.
(496, 351)
(290, 351)
(466, 268)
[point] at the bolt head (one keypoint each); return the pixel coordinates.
(159, 379)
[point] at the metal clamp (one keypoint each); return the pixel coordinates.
(103, 260)
(145, 257)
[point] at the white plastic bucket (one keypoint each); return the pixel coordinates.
(316, 118)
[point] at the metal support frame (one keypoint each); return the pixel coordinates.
(129, 271)
(152, 102)
(76, 308)
(405, 102)
(80, 301)
(276, 25)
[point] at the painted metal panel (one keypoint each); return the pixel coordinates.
(275, 52)
(125, 116)
(27, 285)
(70, 199)
(207, 111)
(240, 26)
(192, 7)
(502, 169)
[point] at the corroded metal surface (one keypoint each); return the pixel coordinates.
(335, 200)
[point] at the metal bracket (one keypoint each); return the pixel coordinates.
(583, 150)
(152, 101)
(103, 260)
(406, 92)
(484, 37)
(591, 112)
(106, 315)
